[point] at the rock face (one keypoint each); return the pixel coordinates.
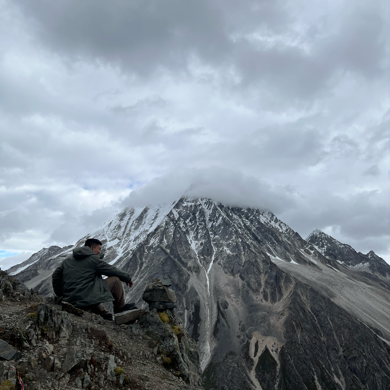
(347, 256)
(267, 309)
(177, 349)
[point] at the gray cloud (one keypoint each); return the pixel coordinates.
(265, 44)
(372, 171)
(278, 105)
(227, 186)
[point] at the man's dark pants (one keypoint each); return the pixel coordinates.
(115, 286)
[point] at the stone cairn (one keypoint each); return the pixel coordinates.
(159, 296)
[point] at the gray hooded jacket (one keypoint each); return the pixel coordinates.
(78, 280)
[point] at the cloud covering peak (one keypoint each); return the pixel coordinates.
(282, 105)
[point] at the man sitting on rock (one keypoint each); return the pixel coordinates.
(78, 280)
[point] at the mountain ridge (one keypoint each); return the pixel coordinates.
(246, 277)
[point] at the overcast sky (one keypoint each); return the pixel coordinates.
(276, 104)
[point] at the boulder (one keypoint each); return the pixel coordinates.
(111, 368)
(7, 352)
(129, 316)
(71, 359)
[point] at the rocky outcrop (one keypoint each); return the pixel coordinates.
(173, 344)
(47, 347)
(14, 290)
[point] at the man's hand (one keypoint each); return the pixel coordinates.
(130, 284)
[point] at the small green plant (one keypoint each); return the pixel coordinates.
(176, 330)
(32, 316)
(167, 360)
(164, 317)
(119, 370)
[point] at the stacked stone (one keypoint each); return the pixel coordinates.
(159, 296)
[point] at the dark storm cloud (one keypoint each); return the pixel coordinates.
(147, 37)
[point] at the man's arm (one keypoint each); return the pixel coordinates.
(104, 268)
(57, 281)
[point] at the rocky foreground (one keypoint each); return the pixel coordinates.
(43, 346)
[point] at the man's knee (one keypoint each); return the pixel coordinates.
(112, 281)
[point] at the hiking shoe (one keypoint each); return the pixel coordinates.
(128, 306)
(107, 316)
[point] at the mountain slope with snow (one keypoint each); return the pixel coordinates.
(268, 309)
(347, 256)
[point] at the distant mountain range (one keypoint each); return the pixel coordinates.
(268, 309)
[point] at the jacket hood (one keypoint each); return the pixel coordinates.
(82, 252)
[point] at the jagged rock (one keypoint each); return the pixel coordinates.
(33, 361)
(57, 364)
(22, 366)
(2, 371)
(110, 368)
(49, 363)
(121, 379)
(44, 351)
(32, 337)
(7, 352)
(86, 381)
(12, 375)
(78, 382)
(129, 316)
(54, 322)
(13, 288)
(6, 286)
(182, 353)
(71, 359)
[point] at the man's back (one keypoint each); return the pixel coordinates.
(78, 279)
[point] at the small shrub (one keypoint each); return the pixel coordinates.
(164, 317)
(7, 384)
